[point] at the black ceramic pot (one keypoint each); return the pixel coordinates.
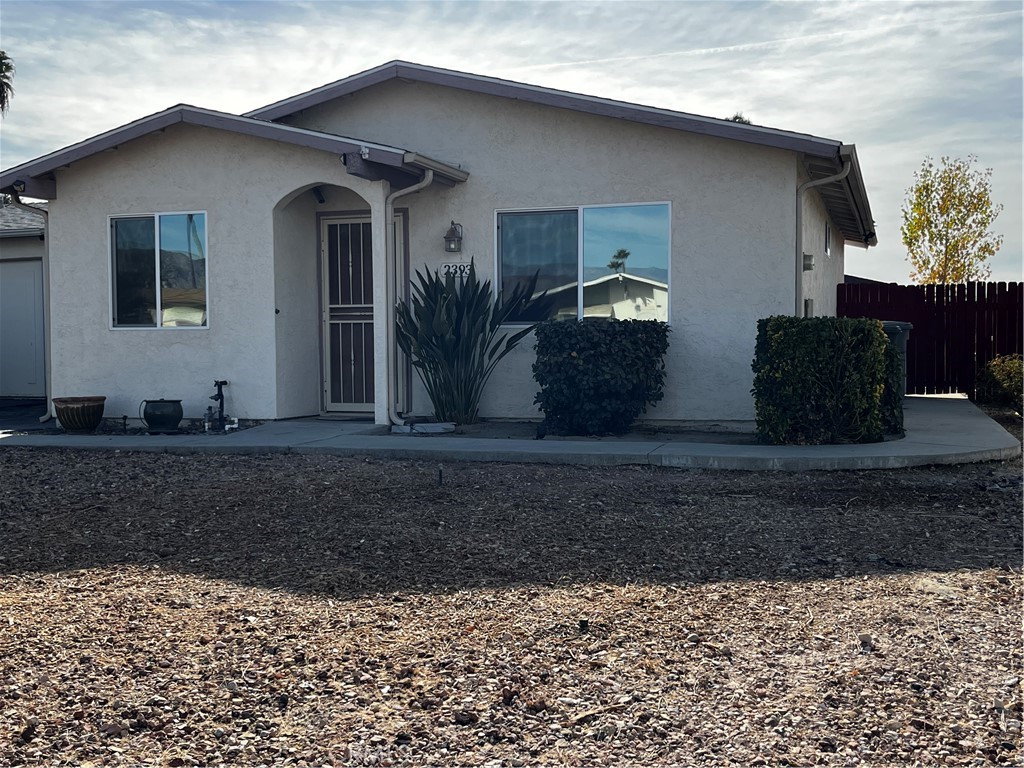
(162, 416)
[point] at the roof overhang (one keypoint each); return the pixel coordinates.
(666, 118)
(37, 178)
(845, 199)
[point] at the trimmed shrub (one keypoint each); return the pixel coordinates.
(1001, 382)
(892, 394)
(825, 380)
(597, 376)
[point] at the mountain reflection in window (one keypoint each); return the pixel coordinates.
(183, 269)
(159, 270)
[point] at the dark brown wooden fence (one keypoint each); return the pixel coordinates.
(957, 328)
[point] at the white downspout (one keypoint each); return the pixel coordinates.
(46, 295)
(798, 309)
(391, 289)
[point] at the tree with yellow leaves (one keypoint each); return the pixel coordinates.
(946, 222)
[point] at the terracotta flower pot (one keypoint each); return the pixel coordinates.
(79, 415)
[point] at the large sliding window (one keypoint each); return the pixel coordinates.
(158, 269)
(593, 261)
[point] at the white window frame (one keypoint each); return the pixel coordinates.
(828, 240)
(579, 246)
(155, 215)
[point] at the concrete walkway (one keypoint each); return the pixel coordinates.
(939, 431)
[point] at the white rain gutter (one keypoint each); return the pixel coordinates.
(391, 289)
(798, 305)
(46, 295)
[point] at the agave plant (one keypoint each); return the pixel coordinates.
(451, 331)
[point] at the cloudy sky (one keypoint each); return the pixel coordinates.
(900, 80)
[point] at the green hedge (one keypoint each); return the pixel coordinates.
(825, 380)
(597, 376)
(1001, 382)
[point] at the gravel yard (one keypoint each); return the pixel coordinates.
(312, 610)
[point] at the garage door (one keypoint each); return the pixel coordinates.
(22, 346)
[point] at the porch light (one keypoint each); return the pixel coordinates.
(453, 239)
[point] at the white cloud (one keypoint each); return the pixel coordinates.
(901, 80)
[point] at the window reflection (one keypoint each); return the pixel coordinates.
(183, 269)
(625, 262)
(623, 265)
(159, 270)
(542, 242)
(134, 279)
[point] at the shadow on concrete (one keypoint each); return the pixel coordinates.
(348, 527)
(21, 414)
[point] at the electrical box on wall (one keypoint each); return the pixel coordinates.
(808, 262)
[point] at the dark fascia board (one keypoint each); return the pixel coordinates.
(4, 233)
(683, 121)
(38, 174)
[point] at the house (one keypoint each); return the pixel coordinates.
(270, 248)
(22, 313)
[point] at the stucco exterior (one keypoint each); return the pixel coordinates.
(238, 182)
(732, 220)
(819, 283)
(265, 194)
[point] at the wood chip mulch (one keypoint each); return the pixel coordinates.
(310, 610)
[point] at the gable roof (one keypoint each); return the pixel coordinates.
(37, 175)
(846, 200)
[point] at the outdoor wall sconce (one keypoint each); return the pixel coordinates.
(453, 239)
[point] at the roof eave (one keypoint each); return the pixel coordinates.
(855, 182)
(38, 178)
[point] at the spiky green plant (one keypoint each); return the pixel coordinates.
(452, 333)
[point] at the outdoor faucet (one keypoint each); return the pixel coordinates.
(219, 399)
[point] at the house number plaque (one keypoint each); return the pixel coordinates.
(459, 270)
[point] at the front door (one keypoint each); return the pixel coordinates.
(348, 314)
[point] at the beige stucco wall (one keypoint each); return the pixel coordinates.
(237, 181)
(296, 308)
(820, 283)
(732, 220)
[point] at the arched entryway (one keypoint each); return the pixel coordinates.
(326, 258)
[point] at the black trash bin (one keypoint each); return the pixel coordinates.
(898, 332)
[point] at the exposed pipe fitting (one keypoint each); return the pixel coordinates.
(798, 271)
(391, 289)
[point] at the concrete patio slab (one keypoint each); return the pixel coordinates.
(939, 431)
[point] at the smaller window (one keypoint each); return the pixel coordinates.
(158, 270)
(828, 239)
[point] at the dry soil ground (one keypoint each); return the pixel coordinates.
(298, 610)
